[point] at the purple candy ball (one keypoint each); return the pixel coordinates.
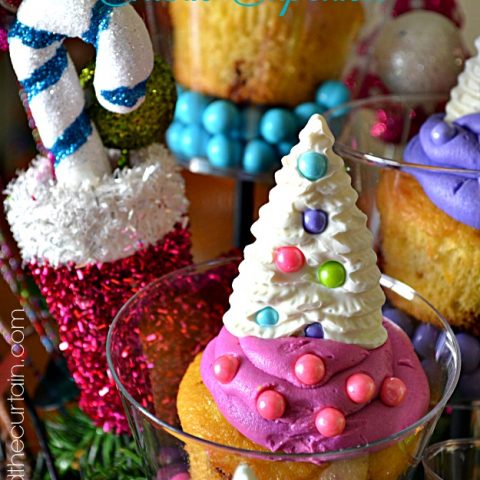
(425, 339)
(469, 384)
(315, 330)
(315, 221)
(442, 133)
(470, 350)
(401, 319)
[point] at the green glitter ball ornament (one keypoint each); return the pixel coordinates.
(143, 126)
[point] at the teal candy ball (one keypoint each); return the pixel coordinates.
(267, 317)
(312, 165)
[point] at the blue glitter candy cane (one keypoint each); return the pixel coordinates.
(49, 79)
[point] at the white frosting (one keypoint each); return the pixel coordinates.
(350, 313)
(125, 212)
(465, 97)
(244, 472)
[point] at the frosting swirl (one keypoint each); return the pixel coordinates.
(456, 145)
(268, 364)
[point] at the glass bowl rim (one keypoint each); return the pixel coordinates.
(386, 281)
(434, 449)
(371, 159)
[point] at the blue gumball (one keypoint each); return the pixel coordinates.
(180, 89)
(194, 141)
(401, 319)
(224, 152)
(470, 350)
(305, 110)
(174, 137)
(250, 118)
(425, 339)
(333, 93)
(278, 125)
(220, 117)
(190, 107)
(259, 157)
(469, 385)
(284, 148)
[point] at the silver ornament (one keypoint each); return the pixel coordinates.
(419, 52)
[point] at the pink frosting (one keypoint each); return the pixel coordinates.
(269, 364)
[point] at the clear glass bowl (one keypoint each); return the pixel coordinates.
(157, 335)
(453, 460)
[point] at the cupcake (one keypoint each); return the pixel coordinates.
(430, 226)
(305, 363)
(251, 53)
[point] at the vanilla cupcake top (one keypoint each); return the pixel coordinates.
(312, 262)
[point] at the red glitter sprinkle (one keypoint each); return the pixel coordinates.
(84, 302)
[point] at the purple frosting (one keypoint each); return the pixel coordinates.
(443, 145)
(268, 364)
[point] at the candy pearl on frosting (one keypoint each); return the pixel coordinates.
(360, 388)
(225, 368)
(315, 330)
(442, 133)
(267, 317)
(332, 274)
(393, 391)
(312, 165)
(271, 404)
(309, 369)
(330, 422)
(315, 221)
(289, 259)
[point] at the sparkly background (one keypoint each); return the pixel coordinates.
(84, 300)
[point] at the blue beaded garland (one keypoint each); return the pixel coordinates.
(220, 117)
(267, 317)
(224, 152)
(193, 141)
(332, 93)
(312, 165)
(278, 125)
(190, 107)
(259, 157)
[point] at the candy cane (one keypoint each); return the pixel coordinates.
(47, 74)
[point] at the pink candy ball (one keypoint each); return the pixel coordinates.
(330, 422)
(289, 259)
(393, 391)
(360, 388)
(309, 369)
(271, 405)
(181, 476)
(225, 368)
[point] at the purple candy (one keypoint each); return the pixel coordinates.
(469, 384)
(315, 221)
(442, 133)
(470, 350)
(401, 319)
(425, 339)
(315, 330)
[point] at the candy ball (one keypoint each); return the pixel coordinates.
(401, 319)
(284, 148)
(181, 476)
(223, 152)
(314, 221)
(332, 274)
(250, 118)
(288, 259)
(259, 157)
(278, 125)
(333, 93)
(143, 126)
(174, 137)
(305, 110)
(469, 384)
(315, 330)
(194, 141)
(312, 165)
(330, 422)
(393, 391)
(419, 52)
(267, 317)
(271, 405)
(360, 388)
(190, 107)
(220, 116)
(424, 340)
(225, 368)
(470, 351)
(309, 369)
(442, 133)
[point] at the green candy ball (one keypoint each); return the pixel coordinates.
(332, 274)
(143, 126)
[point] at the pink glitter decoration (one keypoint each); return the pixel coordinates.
(84, 300)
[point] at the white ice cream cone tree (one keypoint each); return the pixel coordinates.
(312, 270)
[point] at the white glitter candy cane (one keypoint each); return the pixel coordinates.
(124, 63)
